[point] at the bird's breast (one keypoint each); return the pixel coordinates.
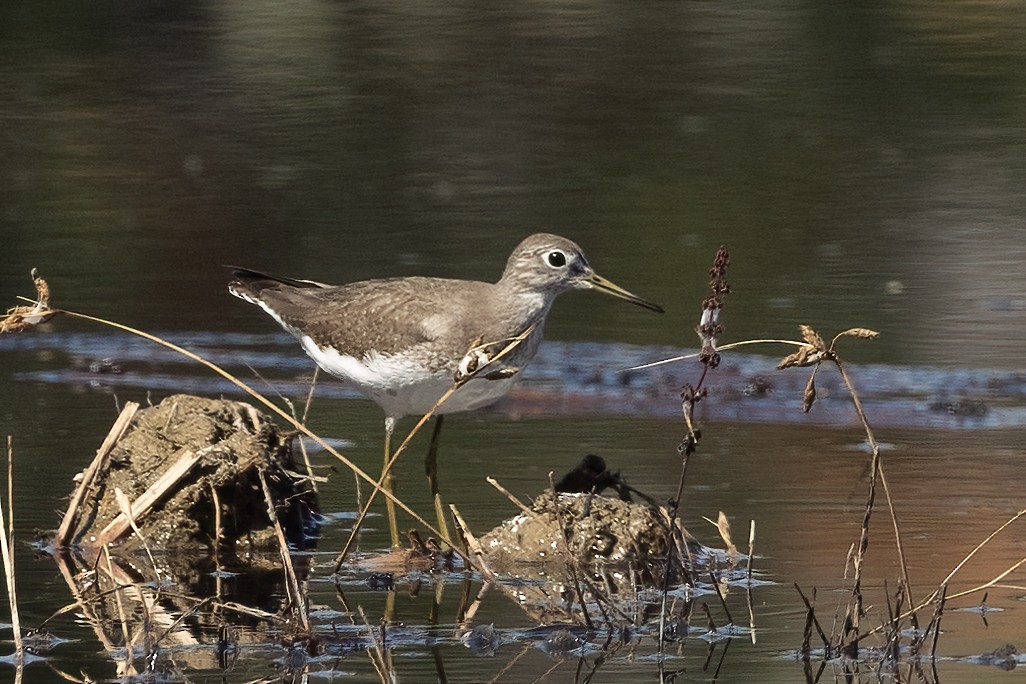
(403, 385)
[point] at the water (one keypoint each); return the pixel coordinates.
(863, 164)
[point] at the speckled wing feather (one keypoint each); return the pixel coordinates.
(387, 316)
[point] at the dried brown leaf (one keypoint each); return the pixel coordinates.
(723, 526)
(805, 356)
(21, 318)
(812, 337)
(809, 397)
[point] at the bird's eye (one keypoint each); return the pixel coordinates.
(556, 259)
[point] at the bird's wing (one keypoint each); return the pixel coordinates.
(385, 316)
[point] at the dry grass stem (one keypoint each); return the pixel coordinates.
(720, 347)
(7, 552)
(476, 551)
(302, 419)
(154, 493)
(509, 495)
(943, 586)
(124, 419)
(291, 581)
(751, 549)
(126, 511)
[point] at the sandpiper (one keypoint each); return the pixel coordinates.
(400, 340)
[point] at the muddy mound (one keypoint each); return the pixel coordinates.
(617, 543)
(192, 467)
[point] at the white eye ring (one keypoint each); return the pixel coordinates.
(556, 259)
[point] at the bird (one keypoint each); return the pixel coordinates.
(401, 341)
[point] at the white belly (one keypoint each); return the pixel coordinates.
(403, 388)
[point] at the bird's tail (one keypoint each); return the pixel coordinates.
(249, 284)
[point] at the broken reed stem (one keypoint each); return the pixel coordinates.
(812, 614)
(124, 419)
(126, 510)
(723, 601)
(291, 581)
(7, 549)
(871, 438)
(474, 547)
(145, 501)
(509, 495)
(751, 550)
(306, 412)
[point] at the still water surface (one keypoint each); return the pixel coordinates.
(865, 165)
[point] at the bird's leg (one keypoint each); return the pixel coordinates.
(431, 469)
(388, 483)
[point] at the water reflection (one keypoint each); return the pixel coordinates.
(864, 165)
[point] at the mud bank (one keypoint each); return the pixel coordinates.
(194, 471)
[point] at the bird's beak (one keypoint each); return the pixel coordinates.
(611, 288)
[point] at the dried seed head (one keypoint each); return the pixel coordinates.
(810, 394)
(864, 333)
(812, 337)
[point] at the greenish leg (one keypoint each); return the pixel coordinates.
(431, 468)
(388, 484)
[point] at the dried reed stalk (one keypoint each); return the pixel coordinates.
(145, 501)
(292, 582)
(124, 419)
(7, 551)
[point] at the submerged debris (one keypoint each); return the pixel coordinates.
(1004, 658)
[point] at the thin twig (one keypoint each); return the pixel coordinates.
(292, 582)
(723, 601)
(473, 545)
(871, 438)
(7, 549)
(719, 347)
(812, 612)
(509, 495)
(113, 435)
(306, 412)
(937, 623)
